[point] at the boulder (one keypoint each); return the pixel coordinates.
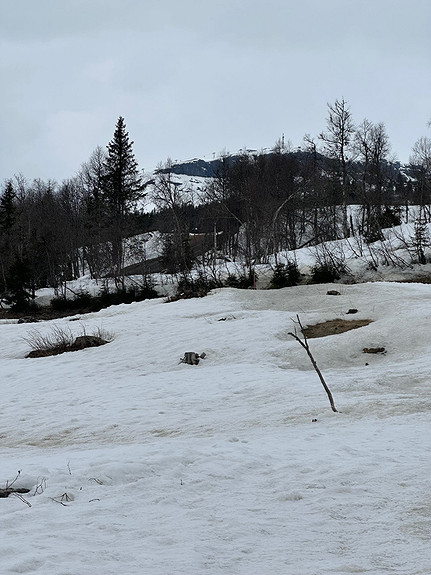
(84, 341)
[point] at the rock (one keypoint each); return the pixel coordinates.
(84, 341)
(43, 353)
(28, 320)
(192, 358)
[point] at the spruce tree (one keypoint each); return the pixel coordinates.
(123, 188)
(7, 220)
(124, 184)
(7, 208)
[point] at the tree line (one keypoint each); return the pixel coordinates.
(256, 205)
(261, 203)
(52, 233)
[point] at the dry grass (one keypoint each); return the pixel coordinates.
(60, 340)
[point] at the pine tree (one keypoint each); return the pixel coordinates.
(124, 185)
(7, 208)
(19, 282)
(7, 220)
(123, 188)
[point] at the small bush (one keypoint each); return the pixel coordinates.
(189, 287)
(243, 281)
(389, 218)
(145, 291)
(285, 275)
(326, 273)
(85, 301)
(82, 300)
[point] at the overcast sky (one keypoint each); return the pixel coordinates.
(193, 78)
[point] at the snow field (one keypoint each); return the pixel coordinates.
(138, 464)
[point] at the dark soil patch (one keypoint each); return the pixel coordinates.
(416, 280)
(8, 490)
(374, 350)
(334, 326)
(40, 314)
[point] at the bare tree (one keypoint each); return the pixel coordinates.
(337, 141)
(167, 195)
(225, 207)
(420, 161)
(91, 180)
(372, 148)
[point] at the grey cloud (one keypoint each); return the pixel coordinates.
(196, 77)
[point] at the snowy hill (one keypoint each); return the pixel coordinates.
(196, 167)
(137, 463)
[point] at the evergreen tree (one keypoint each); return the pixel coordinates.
(19, 283)
(124, 185)
(7, 208)
(7, 220)
(123, 188)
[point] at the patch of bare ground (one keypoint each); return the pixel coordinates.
(39, 314)
(334, 326)
(417, 280)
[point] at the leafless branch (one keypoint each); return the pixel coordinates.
(8, 485)
(64, 497)
(40, 487)
(15, 494)
(304, 344)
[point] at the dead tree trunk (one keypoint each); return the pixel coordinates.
(304, 344)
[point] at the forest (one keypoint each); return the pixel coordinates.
(255, 205)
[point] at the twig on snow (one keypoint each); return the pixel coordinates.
(15, 494)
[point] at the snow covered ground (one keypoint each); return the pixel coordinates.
(138, 464)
